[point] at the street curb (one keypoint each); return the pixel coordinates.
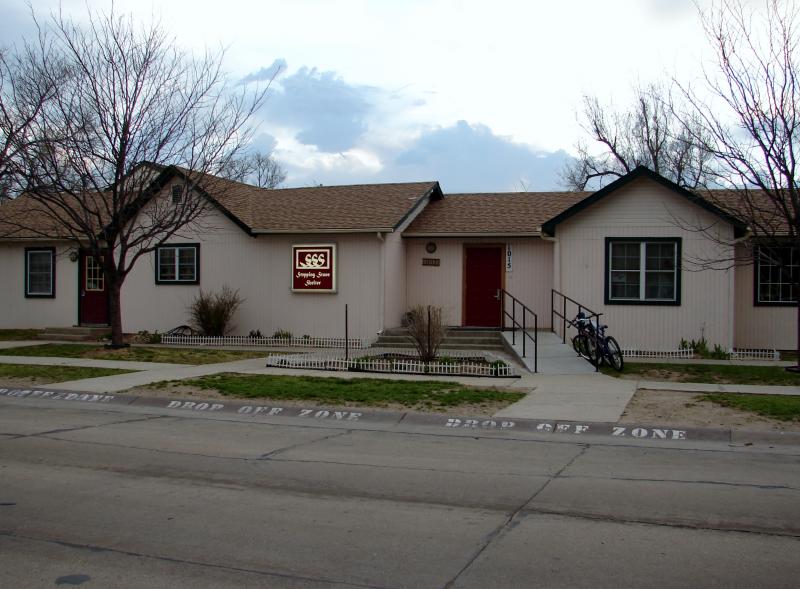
(322, 414)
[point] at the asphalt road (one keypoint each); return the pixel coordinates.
(96, 496)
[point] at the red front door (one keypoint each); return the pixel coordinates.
(483, 279)
(92, 291)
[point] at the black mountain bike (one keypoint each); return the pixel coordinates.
(592, 343)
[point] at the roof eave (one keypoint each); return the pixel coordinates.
(311, 231)
(472, 234)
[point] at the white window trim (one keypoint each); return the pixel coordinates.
(643, 270)
(177, 280)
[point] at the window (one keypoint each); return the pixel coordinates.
(95, 279)
(777, 269)
(40, 272)
(178, 264)
(177, 193)
(643, 271)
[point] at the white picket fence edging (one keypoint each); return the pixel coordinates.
(754, 354)
(688, 354)
(317, 362)
(261, 342)
(682, 353)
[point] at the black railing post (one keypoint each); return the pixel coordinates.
(524, 333)
(346, 335)
(514, 322)
(553, 310)
(564, 321)
(536, 343)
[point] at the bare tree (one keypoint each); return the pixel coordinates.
(647, 134)
(24, 91)
(130, 96)
(258, 169)
(746, 116)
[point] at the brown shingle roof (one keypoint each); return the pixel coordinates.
(359, 207)
(492, 213)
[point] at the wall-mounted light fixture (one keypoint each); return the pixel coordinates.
(73, 256)
(430, 247)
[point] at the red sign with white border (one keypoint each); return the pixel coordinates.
(314, 268)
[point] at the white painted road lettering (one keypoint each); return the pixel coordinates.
(195, 406)
(475, 423)
(655, 433)
(562, 428)
(58, 396)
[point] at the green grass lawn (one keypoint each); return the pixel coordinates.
(783, 407)
(135, 353)
(707, 373)
(17, 334)
(48, 374)
(342, 391)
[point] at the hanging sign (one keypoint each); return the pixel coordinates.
(314, 268)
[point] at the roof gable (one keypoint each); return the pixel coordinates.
(549, 227)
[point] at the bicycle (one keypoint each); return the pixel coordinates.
(594, 345)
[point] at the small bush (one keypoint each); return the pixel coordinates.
(145, 337)
(282, 334)
(701, 349)
(255, 334)
(211, 313)
(426, 330)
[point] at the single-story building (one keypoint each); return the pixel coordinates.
(298, 255)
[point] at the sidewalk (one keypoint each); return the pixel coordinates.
(591, 397)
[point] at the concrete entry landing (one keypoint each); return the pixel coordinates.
(554, 357)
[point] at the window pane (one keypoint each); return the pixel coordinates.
(166, 263)
(625, 285)
(659, 286)
(40, 273)
(186, 263)
(660, 256)
(625, 256)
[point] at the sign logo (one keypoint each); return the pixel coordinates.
(314, 268)
(312, 258)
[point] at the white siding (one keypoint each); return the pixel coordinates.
(530, 280)
(647, 209)
(760, 326)
(260, 268)
(19, 312)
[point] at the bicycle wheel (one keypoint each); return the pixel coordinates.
(580, 344)
(614, 353)
(593, 355)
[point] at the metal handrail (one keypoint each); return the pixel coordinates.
(523, 326)
(568, 322)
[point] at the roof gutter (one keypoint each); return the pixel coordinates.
(475, 234)
(312, 231)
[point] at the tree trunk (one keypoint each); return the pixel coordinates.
(115, 313)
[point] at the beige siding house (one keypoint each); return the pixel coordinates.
(298, 256)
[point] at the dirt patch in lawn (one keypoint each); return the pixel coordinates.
(24, 383)
(182, 391)
(688, 409)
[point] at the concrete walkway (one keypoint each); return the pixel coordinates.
(577, 397)
(554, 356)
(587, 397)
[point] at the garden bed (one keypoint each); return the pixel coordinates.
(394, 362)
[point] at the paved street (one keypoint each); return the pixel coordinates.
(119, 496)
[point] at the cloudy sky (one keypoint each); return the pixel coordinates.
(482, 96)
